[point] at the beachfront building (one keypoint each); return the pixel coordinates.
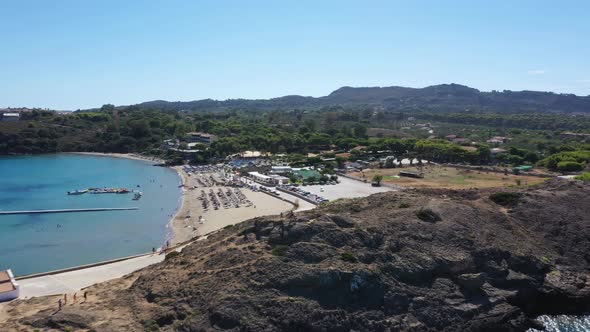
(200, 137)
(9, 289)
(269, 180)
(279, 180)
(281, 170)
(259, 177)
(10, 117)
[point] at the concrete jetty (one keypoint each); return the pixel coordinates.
(67, 210)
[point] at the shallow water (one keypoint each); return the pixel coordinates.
(34, 243)
(563, 323)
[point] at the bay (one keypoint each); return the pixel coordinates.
(33, 243)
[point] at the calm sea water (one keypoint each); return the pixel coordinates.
(34, 243)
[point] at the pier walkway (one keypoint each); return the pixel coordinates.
(72, 281)
(67, 210)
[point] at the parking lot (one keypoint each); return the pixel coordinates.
(346, 188)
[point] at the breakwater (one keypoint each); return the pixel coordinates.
(67, 210)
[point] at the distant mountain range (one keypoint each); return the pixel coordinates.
(443, 97)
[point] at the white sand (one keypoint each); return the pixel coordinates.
(185, 225)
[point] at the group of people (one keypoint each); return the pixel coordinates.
(61, 303)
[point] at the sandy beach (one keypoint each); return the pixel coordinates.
(186, 225)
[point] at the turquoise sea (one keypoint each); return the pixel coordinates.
(35, 243)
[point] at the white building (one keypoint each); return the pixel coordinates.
(10, 117)
(272, 179)
(281, 169)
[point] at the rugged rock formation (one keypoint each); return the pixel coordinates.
(366, 265)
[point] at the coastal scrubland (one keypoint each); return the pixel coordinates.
(360, 264)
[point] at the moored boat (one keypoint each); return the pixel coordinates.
(77, 192)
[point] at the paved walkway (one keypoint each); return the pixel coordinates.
(73, 281)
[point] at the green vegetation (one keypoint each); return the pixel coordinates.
(337, 132)
(569, 166)
(404, 205)
(172, 254)
(568, 161)
(584, 177)
(280, 250)
(348, 257)
(505, 198)
(150, 325)
(377, 178)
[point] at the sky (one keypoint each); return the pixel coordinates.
(71, 54)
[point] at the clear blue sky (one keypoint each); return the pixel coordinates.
(69, 54)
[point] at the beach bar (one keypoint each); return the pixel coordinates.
(9, 289)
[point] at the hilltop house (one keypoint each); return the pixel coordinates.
(569, 134)
(200, 137)
(451, 137)
(497, 140)
(12, 116)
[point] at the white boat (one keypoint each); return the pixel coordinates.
(78, 192)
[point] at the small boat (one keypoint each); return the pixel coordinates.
(137, 196)
(78, 192)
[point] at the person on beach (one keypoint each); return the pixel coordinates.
(85, 296)
(75, 297)
(59, 305)
(65, 299)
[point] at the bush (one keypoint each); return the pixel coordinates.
(377, 178)
(569, 166)
(584, 176)
(426, 214)
(171, 255)
(280, 250)
(551, 162)
(505, 198)
(404, 205)
(348, 257)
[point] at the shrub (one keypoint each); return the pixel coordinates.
(356, 207)
(228, 226)
(171, 255)
(150, 325)
(404, 205)
(569, 166)
(280, 250)
(426, 214)
(551, 162)
(584, 176)
(505, 198)
(377, 178)
(348, 257)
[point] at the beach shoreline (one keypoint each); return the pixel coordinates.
(191, 221)
(132, 156)
(174, 237)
